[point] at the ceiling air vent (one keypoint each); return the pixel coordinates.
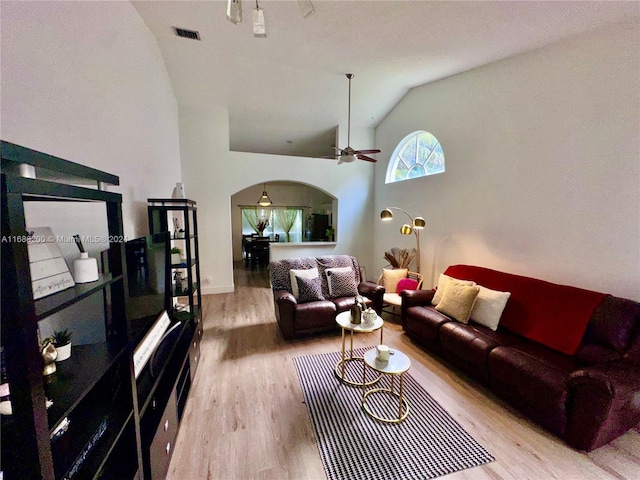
(184, 33)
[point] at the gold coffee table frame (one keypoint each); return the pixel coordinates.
(344, 321)
(397, 366)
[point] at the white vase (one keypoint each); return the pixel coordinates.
(64, 352)
(175, 258)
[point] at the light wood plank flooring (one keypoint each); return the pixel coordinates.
(245, 418)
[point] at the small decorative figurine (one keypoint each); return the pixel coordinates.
(49, 355)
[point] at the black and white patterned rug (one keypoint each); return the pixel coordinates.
(353, 446)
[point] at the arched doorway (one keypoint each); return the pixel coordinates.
(317, 210)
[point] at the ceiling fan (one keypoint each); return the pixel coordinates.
(348, 155)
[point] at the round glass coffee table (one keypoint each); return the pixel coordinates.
(397, 365)
(344, 320)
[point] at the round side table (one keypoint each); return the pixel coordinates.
(344, 321)
(397, 366)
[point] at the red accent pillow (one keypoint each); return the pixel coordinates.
(406, 284)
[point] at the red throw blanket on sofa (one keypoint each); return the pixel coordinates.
(553, 315)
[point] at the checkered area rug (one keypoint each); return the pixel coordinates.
(353, 446)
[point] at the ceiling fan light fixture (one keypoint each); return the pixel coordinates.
(234, 11)
(259, 27)
(346, 158)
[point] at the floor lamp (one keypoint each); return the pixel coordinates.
(417, 224)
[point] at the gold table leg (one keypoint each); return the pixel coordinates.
(401, 400)
(341, 365)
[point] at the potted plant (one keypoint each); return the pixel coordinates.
(329, 234)
(61, 339)
(176, 255)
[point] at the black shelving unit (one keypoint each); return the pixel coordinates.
(94, 389)
(164, 215)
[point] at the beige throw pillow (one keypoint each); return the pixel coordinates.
(458, 300)
(443, 281)
(489, 306)
(308, 273)
(391, 277)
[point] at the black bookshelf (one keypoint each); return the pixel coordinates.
(96, 384)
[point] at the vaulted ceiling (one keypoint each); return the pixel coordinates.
(286, 93)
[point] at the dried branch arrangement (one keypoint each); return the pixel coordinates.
(400, 257)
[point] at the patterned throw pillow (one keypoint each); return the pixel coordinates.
(343, 284)
(329, 271)
(309, 289)
(304, 273)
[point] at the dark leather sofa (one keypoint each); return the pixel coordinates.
(297, 319)
(587, 397)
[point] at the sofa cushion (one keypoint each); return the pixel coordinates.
(304, 273)
(458, 300)
(489, 306)
(310, 289)
(613, 323)
(609, 334)
(443, 281)
(534, 378)
(423, 324)
(314, 315)
(554, 315)
(469, 345)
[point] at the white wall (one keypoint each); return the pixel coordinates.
(542, 165)
(212, 174)
(85, 81)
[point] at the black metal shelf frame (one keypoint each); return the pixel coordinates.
(76, 383)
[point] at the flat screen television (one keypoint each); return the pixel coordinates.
(148, 263)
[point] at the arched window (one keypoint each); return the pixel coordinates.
(418, 154)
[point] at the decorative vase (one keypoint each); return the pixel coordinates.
(64, 352)
(369, 316)
(85, 269)
(175, 258)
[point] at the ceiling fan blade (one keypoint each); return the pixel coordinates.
(364, 157)
(366, 152)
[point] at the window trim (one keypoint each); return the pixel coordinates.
(396, 158)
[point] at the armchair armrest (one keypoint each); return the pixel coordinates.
(374, 292)
(602, 403)
(285, 309)
(416, 298)
(282, 297)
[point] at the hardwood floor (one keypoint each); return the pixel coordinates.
(245, 418)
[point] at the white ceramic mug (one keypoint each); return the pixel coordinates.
(382, 353)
